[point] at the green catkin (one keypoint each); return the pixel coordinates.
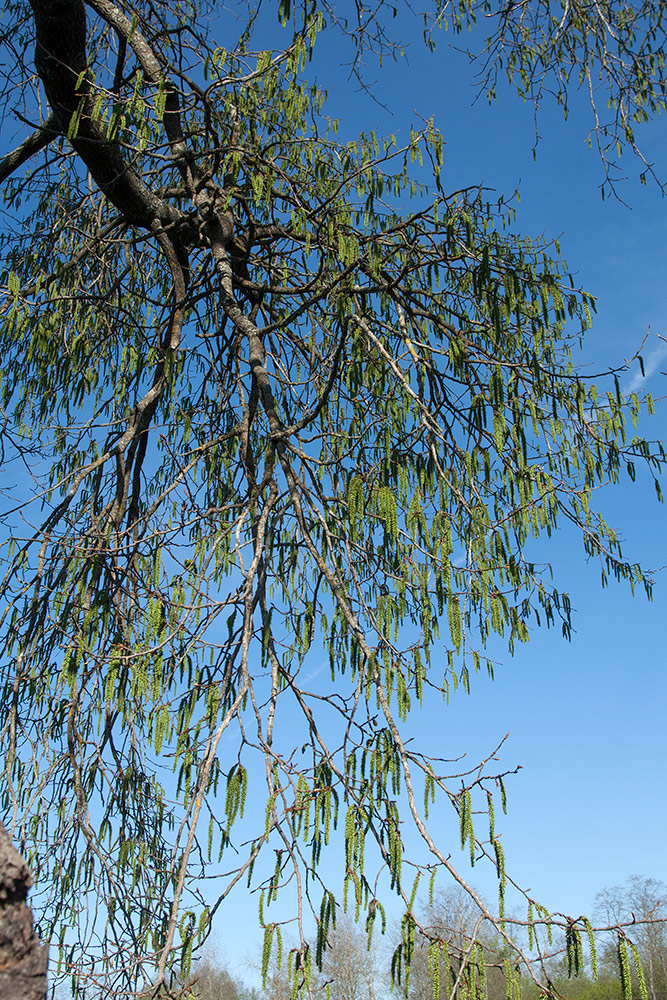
(279, 947)
(481, 966)
(531, 929)
(266, 953)
(471, 977)
(641, 981)
(431, 887)
(500, 858)
(571, 951)
(624, 968)
(415, 886)
(447, 967)
(499, 431)
(434, 968)
(593, 949)
(454, 616)
(503, 795)
(463, 821)
(429, 792)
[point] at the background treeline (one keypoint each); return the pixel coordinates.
(351, 970)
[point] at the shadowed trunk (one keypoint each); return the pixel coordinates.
(23, 958)
(61, 63)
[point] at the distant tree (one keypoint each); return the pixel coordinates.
(640, 902)
(605, 986)
(276, 983)
(469, 953)
(209, 979)
(267, 391)
(212, 980)
(349, 967)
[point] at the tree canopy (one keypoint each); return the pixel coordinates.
(266, 389)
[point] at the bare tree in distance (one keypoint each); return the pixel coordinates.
(469, 946)
(350, 964)
(212, 978)
(640, 901)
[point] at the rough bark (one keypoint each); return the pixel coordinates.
(23, 958)
(61, 63)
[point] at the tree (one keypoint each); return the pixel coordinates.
(349, 968)
(255, 400)
(642, 902)
(212, 980)
(470, 957)
(638, 906)
(213, 983)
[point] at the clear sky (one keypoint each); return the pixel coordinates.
(586, 719)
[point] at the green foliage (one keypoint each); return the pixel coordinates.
(268, 389)
(615, 51)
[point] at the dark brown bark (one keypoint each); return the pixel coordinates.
(40, 138)
(61, 63)
(23, 958)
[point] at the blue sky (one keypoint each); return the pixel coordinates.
(586, 719)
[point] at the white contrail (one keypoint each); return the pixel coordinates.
(651, 364)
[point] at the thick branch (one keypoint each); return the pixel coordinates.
(153, 72)
(40, 138)
(61, 62)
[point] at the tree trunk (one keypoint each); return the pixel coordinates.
(23, 958)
